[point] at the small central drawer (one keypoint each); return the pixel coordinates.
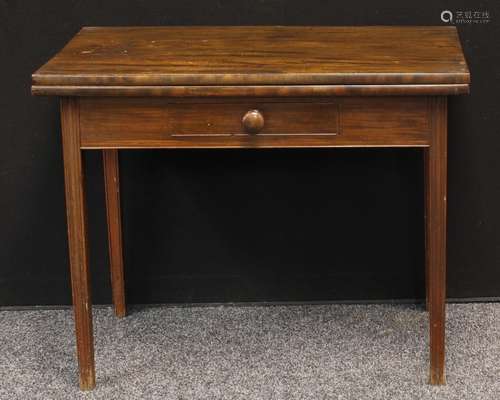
(159, 118)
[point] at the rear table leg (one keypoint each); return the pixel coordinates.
(112, 189)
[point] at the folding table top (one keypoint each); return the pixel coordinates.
(256, 55)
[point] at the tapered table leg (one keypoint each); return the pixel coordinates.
(112, 186)
(426, 212)
(436, 159)
(77, 239)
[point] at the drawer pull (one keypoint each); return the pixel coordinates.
(253, 121)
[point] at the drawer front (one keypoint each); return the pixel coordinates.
(153, 118)
(162, 122)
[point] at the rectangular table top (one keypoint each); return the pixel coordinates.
(256, 55)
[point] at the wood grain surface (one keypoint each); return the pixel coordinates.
(436, 200)
(143, 122)
(113, 215)
(254, 91)
(77, 241)
(273, 55)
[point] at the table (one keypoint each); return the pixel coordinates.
(251, 87)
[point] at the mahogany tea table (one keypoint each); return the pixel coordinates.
(251, 87)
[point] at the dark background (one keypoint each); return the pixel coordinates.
(244, 225)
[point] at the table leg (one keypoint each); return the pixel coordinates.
(77, 240)
(426, 214)
(112, 186)
(435, 158)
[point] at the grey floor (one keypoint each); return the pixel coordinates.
(262, 352)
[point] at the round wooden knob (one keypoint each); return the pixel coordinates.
(253, 121)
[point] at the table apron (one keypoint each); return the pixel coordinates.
(146, 122)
